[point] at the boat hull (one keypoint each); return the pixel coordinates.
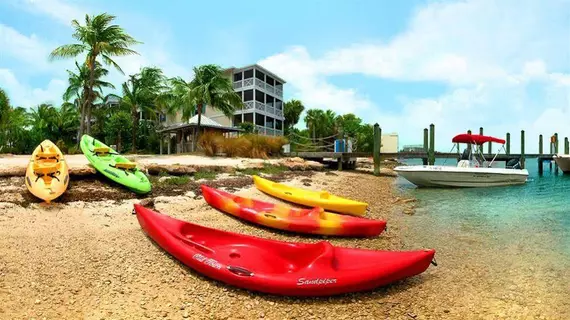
(563, 162)
(446, 176)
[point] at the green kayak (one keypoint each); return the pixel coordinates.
(114, 166)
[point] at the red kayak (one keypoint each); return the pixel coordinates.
(281, 216)
(278, 267)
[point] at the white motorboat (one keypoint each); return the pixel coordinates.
(563, 162)
(471, 171)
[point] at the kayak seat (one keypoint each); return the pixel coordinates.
(47, 172)
(47, 156)
(125, 165)
(101, 150)
(318, 254)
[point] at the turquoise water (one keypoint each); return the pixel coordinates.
(536, 214)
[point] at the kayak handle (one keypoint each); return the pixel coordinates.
(434, 262)
(240, 271)
(288, 193)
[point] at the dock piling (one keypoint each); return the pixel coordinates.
(376, 149)
(431, 156)
(480, 146)
(426, 146)
(522, 149)
(340, 159)
(566, 146)
(508, 149)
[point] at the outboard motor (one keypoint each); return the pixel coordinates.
(513, 164)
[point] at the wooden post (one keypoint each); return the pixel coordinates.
(469, 144)
(522, 149)
(508, 149)
(161, 138)
(431, 158)
(340, 159)
(540, 144)
(556, 143)
(481, 133)
(426, 145)
(566, 146)
(377, 144)
(540, 160)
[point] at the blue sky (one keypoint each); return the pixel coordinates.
(503, 65)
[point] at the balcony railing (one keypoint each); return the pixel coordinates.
(259, 106)
(248, 105)
(260, 129)
(277, 90)
(279, 113)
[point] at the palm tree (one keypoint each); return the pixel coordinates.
(4, 103)
(210, 87)
(292, 112)
(140, 93)
(97, 38)
(79, 87)
(313, 121)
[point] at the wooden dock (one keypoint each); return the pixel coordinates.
(428, 155)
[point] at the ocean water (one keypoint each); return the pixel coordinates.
(503, 249)
(539, 208)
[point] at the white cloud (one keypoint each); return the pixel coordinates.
(25, 96)
(489, 54)
(28, 49)
(61, 11)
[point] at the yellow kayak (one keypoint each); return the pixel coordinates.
(310, 198)
(47, 175)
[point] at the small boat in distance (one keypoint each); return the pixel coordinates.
(472, 170)
(563, 162)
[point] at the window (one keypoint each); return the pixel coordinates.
(162, 117)
(237, 119)
(259, 119)
(237, 76)
(240, 94)
(247, 74)
(260, 75)
(259, 96)
(277, 83)
(278, 124)
(248, 95)
(248, 117)
(269, 80)
(278, 104)
(269, 122)
(269, 100)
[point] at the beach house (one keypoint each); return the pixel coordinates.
(262, 94)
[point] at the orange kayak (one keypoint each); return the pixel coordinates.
(283, 217)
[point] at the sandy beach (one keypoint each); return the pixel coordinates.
(87, 259)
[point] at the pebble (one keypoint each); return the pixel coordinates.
(185, 314)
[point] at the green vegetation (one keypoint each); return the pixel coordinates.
(130, 120)
(206, 175)
(267, 169)
(177, 180)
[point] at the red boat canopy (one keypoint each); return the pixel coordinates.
(475, 139)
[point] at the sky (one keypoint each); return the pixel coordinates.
(501, 65)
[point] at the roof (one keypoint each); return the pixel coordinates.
(475, 139)
(259, 68)
(204, 123)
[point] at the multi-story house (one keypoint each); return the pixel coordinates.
(262, 94)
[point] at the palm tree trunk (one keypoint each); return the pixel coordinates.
(197, 135)
(134, 114)
(90, 94)
(119, 142)
(81, 106)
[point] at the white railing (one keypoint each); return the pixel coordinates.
(269, 132)
(279, 91)
(260, 129)
(269, 109)
(269, 88)
(278, 132)
(260, 84)
(238, 84)
(248, 82)
(248, 105)
(259, 106)
(279, 113)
